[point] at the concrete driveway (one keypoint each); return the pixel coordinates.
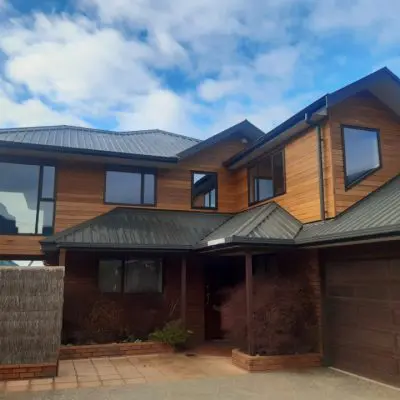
(316, 384)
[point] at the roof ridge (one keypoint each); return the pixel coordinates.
(145, 131)
(97, 130)
(258, 218)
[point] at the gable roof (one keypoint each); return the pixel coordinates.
(377, 214)
(150, 143)
(245, 129)
(383, 84)
(268, 223)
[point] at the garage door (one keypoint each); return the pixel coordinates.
(363, 317)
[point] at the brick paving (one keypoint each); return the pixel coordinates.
(133, 370)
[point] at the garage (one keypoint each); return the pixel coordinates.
(362, 312)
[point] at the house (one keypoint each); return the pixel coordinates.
(151, 224)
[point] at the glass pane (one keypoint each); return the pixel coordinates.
(45, 220)
(265, 189)
(279, 174)
(148, 190)
(21, 263)
(252, 173)
(123, 187)
(143, 276)
(48, 182)
(204, 188)
(361, 152)
(18, 198)
(110, 275)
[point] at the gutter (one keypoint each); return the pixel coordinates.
(94, 153)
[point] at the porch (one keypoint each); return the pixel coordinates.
(130, 271)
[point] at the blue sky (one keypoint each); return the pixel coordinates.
(192, 67)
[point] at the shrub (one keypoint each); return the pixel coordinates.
(284, 315)
(173, 333)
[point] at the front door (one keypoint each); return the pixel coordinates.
(221, 275)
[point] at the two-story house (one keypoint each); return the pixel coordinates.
(150, 224)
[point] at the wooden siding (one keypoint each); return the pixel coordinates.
(364, 110)
(302, 188)
(19, 245)
(81, 187)
(80, 192)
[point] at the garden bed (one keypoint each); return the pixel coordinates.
(274, 363)
(112, 350)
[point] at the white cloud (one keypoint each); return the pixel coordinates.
(368, 19)
(158, 109)
(71, 61)
(31, 112)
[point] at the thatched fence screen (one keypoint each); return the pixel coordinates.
(31, 304)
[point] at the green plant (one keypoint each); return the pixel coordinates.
(173, 333)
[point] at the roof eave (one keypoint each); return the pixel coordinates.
(94, 153)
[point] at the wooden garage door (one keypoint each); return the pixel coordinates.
(363, 317)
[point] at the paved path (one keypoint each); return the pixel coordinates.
(317, 384)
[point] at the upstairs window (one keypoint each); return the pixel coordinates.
(130, 276)
(204, 190)
(267, 178)
(27, 193)
(361, 153)
(130, 187)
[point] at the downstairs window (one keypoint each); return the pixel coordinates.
(130, 276)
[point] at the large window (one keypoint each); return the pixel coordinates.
(130, 187)
(267, 178)
(130, 276)
(26, 199)
(361, 153)
(204, 190)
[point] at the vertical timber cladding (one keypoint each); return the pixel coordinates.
(302, 180)
(362, 310)
(80, 188)
(366, 111)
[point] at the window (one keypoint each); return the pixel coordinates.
(361, 153)
(267, 178)
(130, 187)
(26, 199)
(204, 190)
(130, 276)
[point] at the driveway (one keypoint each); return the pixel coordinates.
(316, 384)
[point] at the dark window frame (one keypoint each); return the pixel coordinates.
(348, 185)
(271, 155)
(215, 174)
(133, 170)
(40, 199)
(123, 260)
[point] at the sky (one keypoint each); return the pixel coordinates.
(193, 67)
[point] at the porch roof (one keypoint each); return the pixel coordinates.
(129, 228)
(266, 224)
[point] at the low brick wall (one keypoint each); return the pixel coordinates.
(274, 363)
(27, 371)
(112, 350)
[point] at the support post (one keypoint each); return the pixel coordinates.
(62, 257)
(183, 291)
(249, 303)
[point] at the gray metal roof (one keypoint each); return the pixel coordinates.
(268, 222)
(378, 213)
(129, 228)
(153, 143)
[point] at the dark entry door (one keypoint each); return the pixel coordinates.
(221, 275)
(363, 317)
